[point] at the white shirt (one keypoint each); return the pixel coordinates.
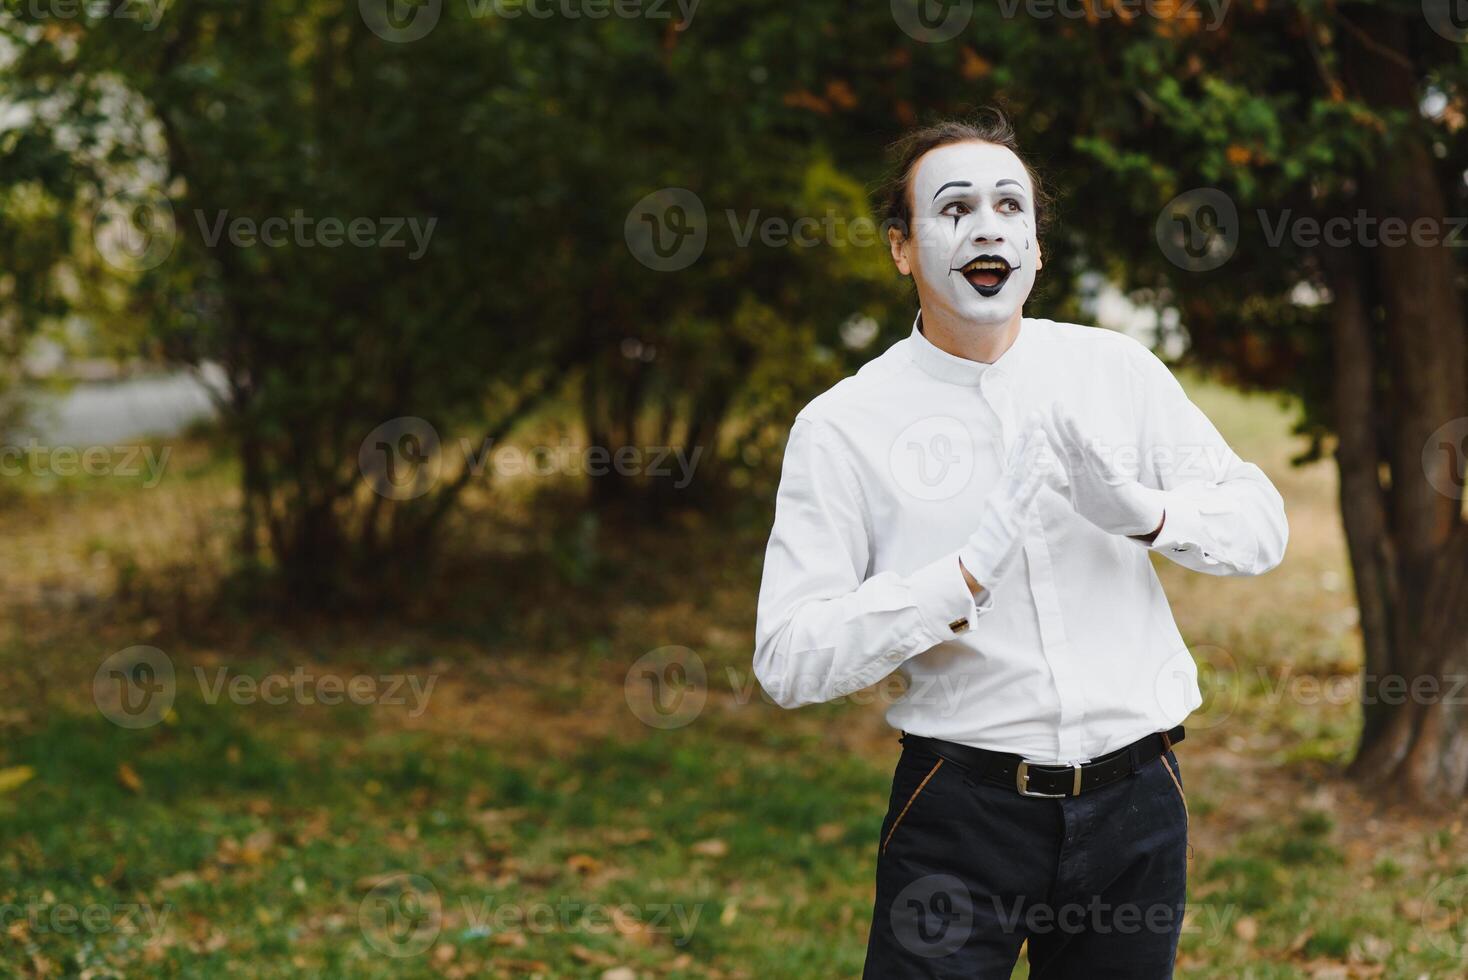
(1075, 651)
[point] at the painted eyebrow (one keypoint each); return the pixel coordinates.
(951, 183)
(1006, 180)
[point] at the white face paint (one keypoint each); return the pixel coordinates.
(973, 251)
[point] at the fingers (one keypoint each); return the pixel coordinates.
(1029, 486)
(1034, 467)
(1063, 431)
(1075, 446)
(1067, 432)
(1040, 457)
(1021, 448)
(1031, 428)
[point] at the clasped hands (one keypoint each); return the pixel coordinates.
(1097, 489)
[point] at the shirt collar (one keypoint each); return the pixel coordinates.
(960, 370)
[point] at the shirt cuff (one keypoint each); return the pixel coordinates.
(1182, 528)
(941, 594)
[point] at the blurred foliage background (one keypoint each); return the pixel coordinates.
(500, 157)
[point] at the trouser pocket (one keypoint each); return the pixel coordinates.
(1170, 765)
(913, 798)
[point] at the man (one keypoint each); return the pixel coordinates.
(974, 509)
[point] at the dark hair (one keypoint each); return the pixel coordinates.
(990, 126)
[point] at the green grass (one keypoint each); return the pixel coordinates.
(502, 835)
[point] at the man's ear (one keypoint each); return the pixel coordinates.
(897, 241)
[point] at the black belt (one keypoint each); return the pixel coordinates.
(1039, 779)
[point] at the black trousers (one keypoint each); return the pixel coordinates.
(968, 871)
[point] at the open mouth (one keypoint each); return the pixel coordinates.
(987, 274)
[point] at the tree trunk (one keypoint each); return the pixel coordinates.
(1416, 744)
(1358, 459)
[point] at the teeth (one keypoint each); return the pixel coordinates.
(986, 265)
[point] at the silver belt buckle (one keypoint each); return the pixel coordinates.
(1022, 783)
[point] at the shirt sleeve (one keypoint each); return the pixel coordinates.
(1223, 515)
(824, 628)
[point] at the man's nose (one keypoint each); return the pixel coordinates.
(986, 229)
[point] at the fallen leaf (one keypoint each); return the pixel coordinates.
(583, 864)
(15, 776)
(592, 957)
(178, 880)
(713, 847)
(829, 833)
(129, 778)
(525, 966)
(253, 850)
